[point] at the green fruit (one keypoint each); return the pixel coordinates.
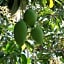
(20, 32)
(30, 17)
(37, 34)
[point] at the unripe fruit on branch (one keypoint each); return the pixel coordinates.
(37, 34)
(30, 17)
(20, 32)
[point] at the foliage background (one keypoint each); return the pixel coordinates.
(51, 21)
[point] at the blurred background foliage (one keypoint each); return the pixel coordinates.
(50, 18)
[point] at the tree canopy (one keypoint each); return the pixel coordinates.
(31, 31)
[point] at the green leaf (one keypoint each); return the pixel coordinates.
(29, 46)
(62, 59)
(28, 60)
(23, 59)
(58, 2)
(0, 30)
(46, 11)
(42, 2)
(9, 46)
